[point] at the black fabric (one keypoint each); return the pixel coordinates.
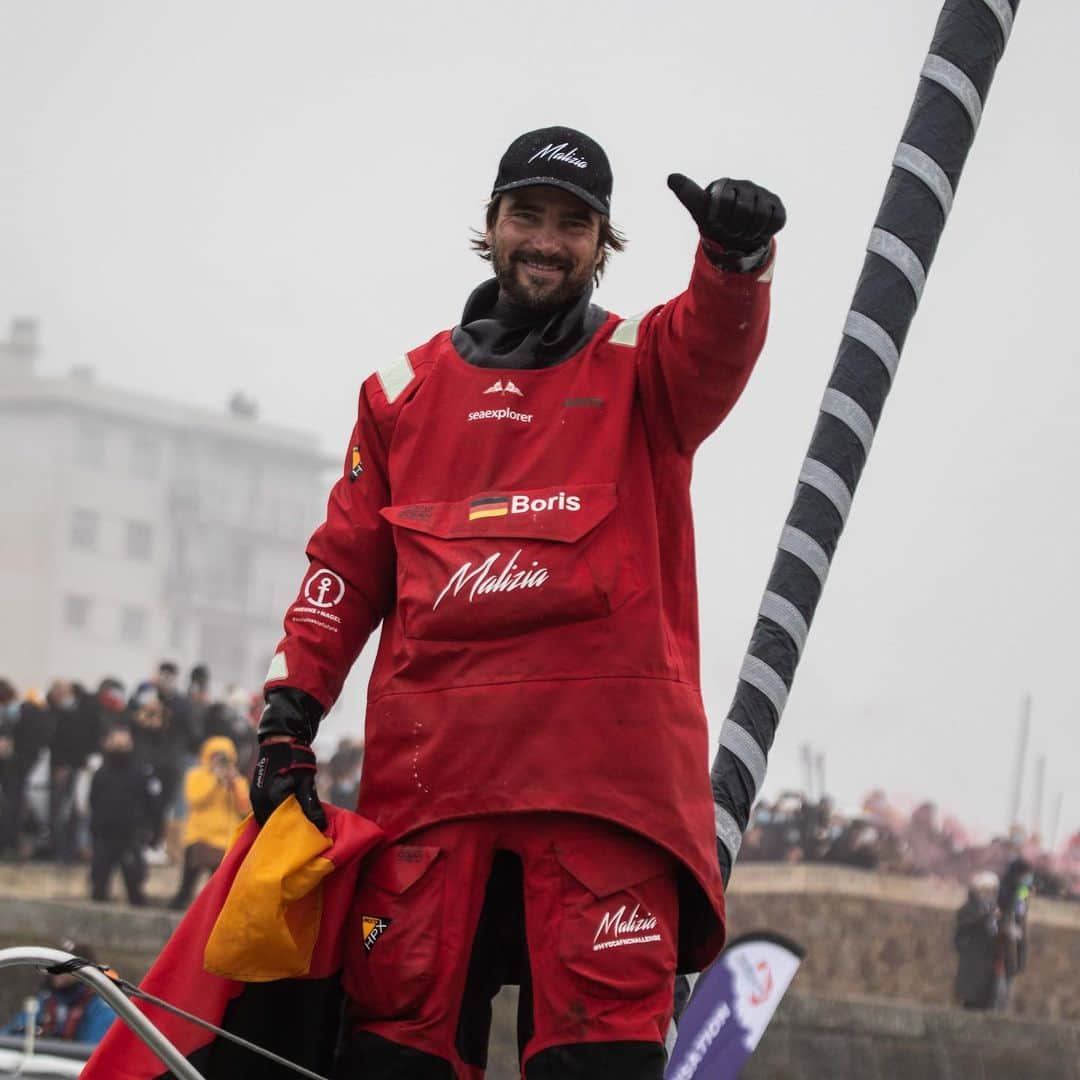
(496, 333)
(558, 157)
(975, 938)
(298, 1019)
(969, 36)
(290, 712)
(283, 769)
(497, 959)
(370, 1057)
(739, 215)
(599, 1061)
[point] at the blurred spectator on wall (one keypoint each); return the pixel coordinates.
(976, 941)
(67, 1009)
(1014, 897)
(9, 717)
(27, 736)
(217, 798)
(75, 723)
(124, 811)
(343, 772)
(230, 717)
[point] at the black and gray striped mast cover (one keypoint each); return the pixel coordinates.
(968, 43)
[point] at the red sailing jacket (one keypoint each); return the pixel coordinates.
(526, 539)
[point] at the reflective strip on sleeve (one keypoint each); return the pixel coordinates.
(395, 377)
(626, 332)
(279, 668)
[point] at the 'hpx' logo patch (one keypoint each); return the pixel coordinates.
(372, 927)
(357, 464)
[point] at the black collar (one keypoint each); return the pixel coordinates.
(497, 333)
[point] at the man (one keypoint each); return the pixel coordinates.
(515, 509)
(66, 1008)
(976, 940)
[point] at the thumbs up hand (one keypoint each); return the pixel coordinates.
(738, 215)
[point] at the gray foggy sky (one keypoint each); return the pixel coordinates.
(274, 196)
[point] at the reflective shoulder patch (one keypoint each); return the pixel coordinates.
(626, 332)
(278, 669)
(395, 377)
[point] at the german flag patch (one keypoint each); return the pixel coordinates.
(489, 506)
(372, 927)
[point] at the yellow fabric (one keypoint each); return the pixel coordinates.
(214, 809)
(269, 922)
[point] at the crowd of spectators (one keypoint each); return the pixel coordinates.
(118, 778)
(879, 835)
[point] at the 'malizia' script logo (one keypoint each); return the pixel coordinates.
(486, 577)
(617, 928)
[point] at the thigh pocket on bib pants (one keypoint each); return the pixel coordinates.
(506, 563)
(393, 940)
(618, 932)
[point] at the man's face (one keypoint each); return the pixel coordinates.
(545, 245)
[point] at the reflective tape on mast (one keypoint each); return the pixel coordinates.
(968, 43)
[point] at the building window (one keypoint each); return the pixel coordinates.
(91, 444)
(145, 456)
(138, 540)
(77, 612)
(85, 529)
(133, 624)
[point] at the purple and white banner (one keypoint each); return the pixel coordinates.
(731, 1006)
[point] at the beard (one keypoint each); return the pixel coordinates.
(532, 292)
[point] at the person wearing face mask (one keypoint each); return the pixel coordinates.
(124, 798)
(515, 509)
(75, 731)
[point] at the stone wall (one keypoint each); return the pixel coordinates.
(867, 935)
(884, 936)
(814, 1037)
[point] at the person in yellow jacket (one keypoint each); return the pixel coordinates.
(217, 798)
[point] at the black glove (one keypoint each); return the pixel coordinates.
(287, 766)
(736, 214)
(283, 769)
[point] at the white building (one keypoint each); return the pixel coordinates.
(134, 529)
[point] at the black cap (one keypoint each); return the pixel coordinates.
(558, 157)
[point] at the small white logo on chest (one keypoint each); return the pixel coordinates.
(500, 387)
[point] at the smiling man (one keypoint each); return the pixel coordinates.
(515, 510)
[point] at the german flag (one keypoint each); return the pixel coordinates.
(489, 506)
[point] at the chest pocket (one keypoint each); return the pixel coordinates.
(502, 563)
